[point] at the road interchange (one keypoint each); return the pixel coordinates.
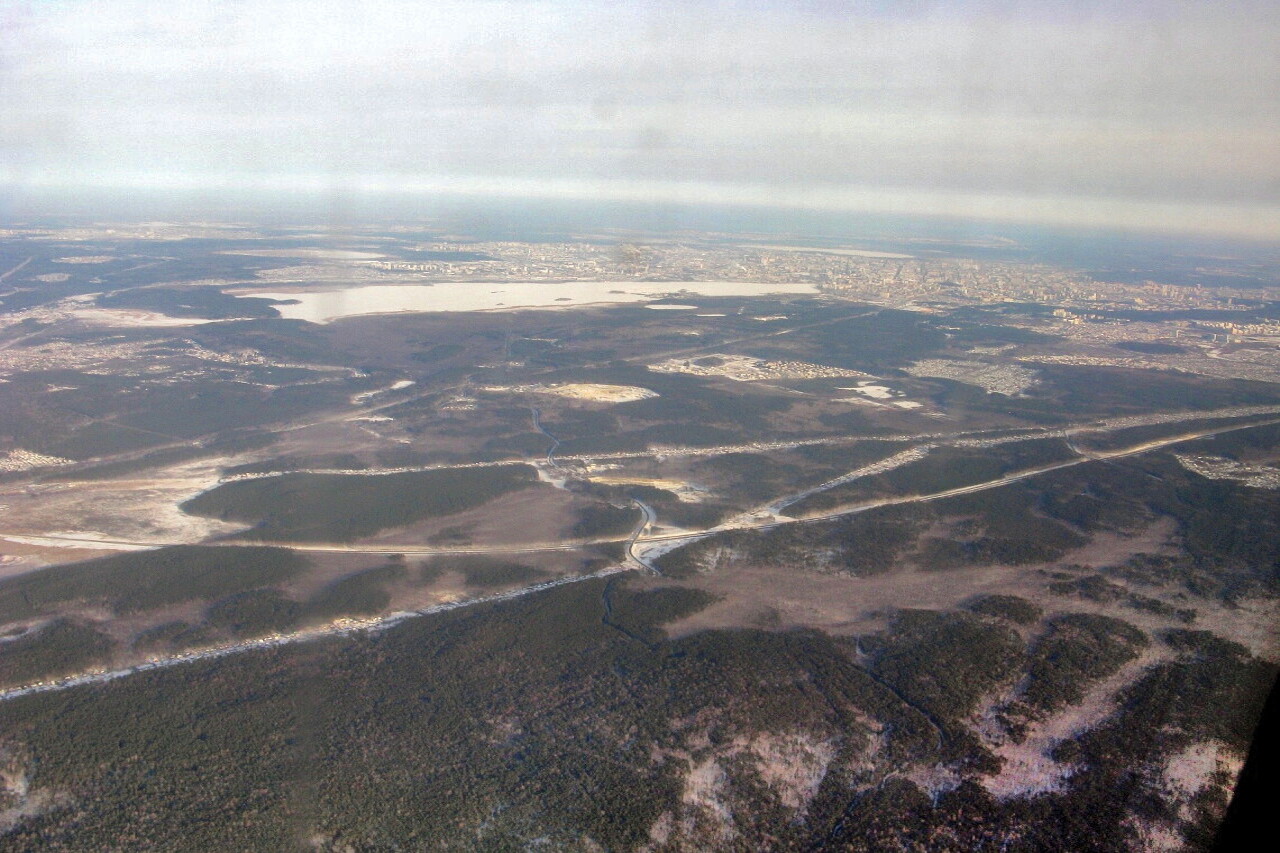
(637, 557)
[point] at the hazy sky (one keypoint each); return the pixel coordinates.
(1160, 114)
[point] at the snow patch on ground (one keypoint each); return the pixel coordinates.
(935, 780)
(24, 460)
(745, 368)
(1007, 379)
(131, 317)
(588, 391)
(704, 791)
(1029, 767)
(21, 801)
(1220, 468)
(685, 492)
(794, 765)
(599, 393)
(1189, 772)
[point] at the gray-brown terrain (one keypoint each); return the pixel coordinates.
(407, 540)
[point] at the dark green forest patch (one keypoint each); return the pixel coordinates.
(174, 636)
(61, 647)
(510, 722)
(345, 507)
(207, 302)
(945, 662)
(360, 594)
(249, 614)
(604, 519)
(1006, 528)
(537, 719)
(143, 580)
(1010, 607)
(487, 573)
(750, 477)
(641, 613)
(1077, 650)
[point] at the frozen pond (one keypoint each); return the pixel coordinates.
(322, 306)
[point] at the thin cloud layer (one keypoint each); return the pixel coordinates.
(1161, 110)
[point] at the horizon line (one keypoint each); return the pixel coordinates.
(1252, 222)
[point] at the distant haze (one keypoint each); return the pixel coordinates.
(1150, 115)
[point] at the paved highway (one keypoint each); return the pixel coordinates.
(636, 560)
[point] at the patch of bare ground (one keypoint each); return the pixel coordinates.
(670, 470)
(934, 779)
(1252, 622)
(1195, 768)
(125, 629)
(684, 491)
(1028, 767)
(455, 438)
(792, 764)
(423, 585)
(786, 597)
(801, 416)
(534, 515)
(20, 801)
(142, 509)
(1111, 548)
(1180, 781)
(703, 807)
(120, 317)
(783, 598)
(323, 568)
(18, 558)
(409, 592)
(581, 391)
(353, 436)
(1153, 837)
(449, 586)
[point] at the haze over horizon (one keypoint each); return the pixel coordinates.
(1160, 116)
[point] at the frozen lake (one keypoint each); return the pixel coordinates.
(322, 306)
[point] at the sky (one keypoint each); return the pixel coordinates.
(1147, 115)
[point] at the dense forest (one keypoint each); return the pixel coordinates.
(570, 717)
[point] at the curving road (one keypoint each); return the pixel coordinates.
(635, 560)
(766, 522)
